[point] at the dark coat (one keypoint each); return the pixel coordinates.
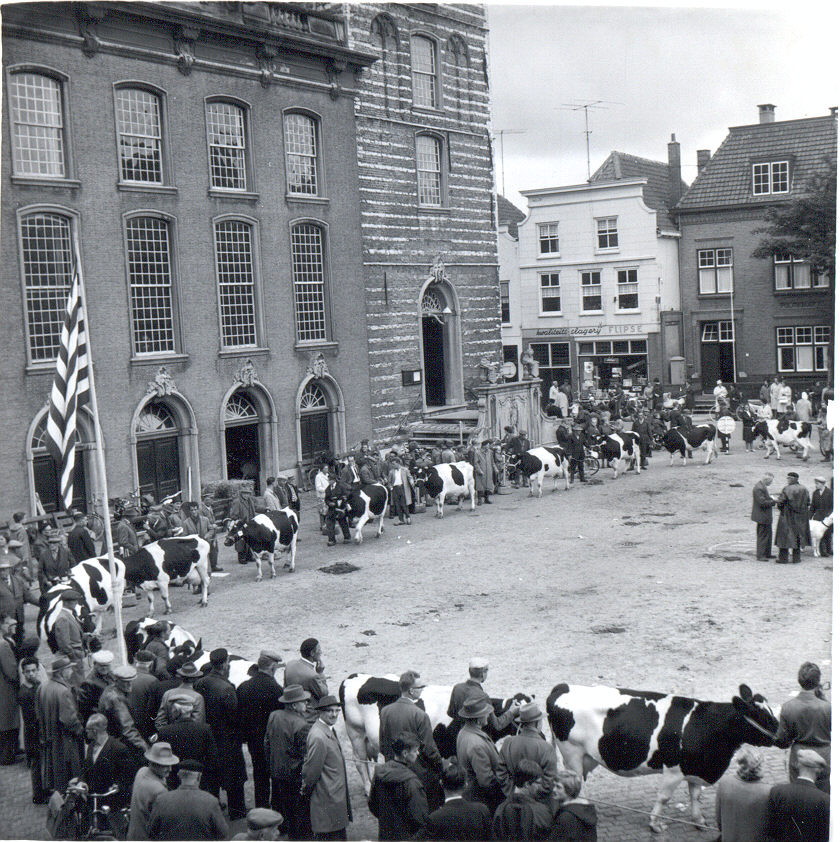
(797, 812)
(794, 503)
(528, 744)
(822, 504)
(457, 819)
(404, 715)
(54, 562)
(114, 765)
(762, 509)
(285, 744)
(398, 800)
(575, 821)
(221, 706)
(191, 740)
(80, 543)
(187, 813)
(258, 699)
(8, 687)
(521, 817)
(140, 701)
(60, 732)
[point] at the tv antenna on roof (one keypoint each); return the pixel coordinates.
(599, 104)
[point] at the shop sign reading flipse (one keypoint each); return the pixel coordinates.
(595, 330)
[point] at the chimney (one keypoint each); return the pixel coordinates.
(767, 113)
(833, 111)
(703, 157)
(675, 185)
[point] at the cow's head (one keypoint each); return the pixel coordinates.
(759, 723)
(421, 473)
(235, 531)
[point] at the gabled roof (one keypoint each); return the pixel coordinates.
(657, 191)
(726, 180)
(509, 215)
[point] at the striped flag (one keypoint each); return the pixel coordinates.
(70, 389)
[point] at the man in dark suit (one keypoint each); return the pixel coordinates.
(457, 818)
(798, 811)
(258, 698)
(309, 672)
(79, 540)
(107, 762)
(822, 505)
(762, 515)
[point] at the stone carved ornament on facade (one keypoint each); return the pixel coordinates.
(247, 375)
(162, 385)
(318, 366)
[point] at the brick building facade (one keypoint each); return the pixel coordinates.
(203, 160)
(745, 317)
(428, 221)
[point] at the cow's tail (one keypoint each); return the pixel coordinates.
(341, 696)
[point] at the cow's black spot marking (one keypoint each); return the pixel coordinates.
(379, 692)
(628, 730)
(94, 575)
(669, 741)
(339, 568)
(457, 476)
(560, 719)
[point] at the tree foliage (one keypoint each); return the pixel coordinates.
(805, 228)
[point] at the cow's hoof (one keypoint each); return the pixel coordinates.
(358, 540)
(273, 575)
(168, 611)
(657, 827)
(202, 604)
(259, 578)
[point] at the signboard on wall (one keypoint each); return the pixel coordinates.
(584, 331)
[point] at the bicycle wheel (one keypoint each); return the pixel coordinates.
(591, 465)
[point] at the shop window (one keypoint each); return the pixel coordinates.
(586, 348)
(638, 346)
(555, 363)
(714, 267)
(603, 348)
(621, 347)
(590, 283)
(628, 289)
(550, 293)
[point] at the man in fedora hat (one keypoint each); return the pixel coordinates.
(822, 505)
(54, 561)
(189, 673)
(397, 797)
(13, 593)
(259, 697)
(67, 631)
(189, 812)
(59, 727)
(477, 755)
(79, 540)
(285, 749)
(324, 775)
(261, 823)
(792, 530)
(149, 783)
(798, 811)
(94, 683)
(191, 740)
(529, 744)
(114, 704)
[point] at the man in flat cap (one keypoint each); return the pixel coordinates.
(285, 749)
(221, 705)
(79, 540)
(54, 560)
(529, 744)
(67, 632)
(477, 754)
(188, 673)
(325, 775)
(792, 530)
(822, 505)
(472, 687)
(59, 727)
(114, 704)
(259, 697)
(799, 811)
(189, 812)
(261, 823)
(94, 683)
(308, 671)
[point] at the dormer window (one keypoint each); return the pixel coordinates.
(771, 178)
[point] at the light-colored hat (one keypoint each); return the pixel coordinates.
(5, 562)
(530, 712)
(294, 693)
(125, 672)
(475, 708)
(261, 818)
(60, 663)
(161, 753)
(808, 757)
(479, 663)
(102, 657)
(14, 544)
(816, 479)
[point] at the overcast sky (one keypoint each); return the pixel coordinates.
(690, 71)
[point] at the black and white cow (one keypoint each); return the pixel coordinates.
(179, 641)
(633, 732)
(241, 669)
(684, 438)
(621, 450)
(777, 431)
(455, 479)
(264, 535)
(368, 503)
(362, 698)
(541, 462)
(183, 559)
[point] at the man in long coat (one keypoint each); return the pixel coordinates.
(792, 530)
(483, 467)
(762, 516)
(68, 634)
(477, 755)
(191, 740)
(79, 540)
(822, 505)
(9, 683)
(60, 729)
(529, 744)
(325, 775)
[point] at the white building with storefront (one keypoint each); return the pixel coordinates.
(598, 285)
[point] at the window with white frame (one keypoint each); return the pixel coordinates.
(226, 144)
(555, 363)
(548, 238)
(590, 290)
(608, 232)
(714, 268)
(550, 293)
(37, 111)
(718, 331)
(150, 284)
(301, 138)
(628, 289)
(308, 277)
(429, 174)
(504, 295)
(47, 257)
(792, 274)
(771, 177)
(424, 71)
(140, 136)
(235, 279)
(803, 348)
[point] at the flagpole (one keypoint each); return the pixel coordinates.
(103, 480)
(732, 317)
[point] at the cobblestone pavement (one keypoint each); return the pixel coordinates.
(647, 581)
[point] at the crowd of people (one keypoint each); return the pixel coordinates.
(163, 743)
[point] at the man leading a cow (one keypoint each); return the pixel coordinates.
(792, 531)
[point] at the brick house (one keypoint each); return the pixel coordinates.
(203, 160)
(745, 317)
(428, 220)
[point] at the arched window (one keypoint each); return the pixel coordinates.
(235, 278)
(139, 114)
(158, 451)
(313, 398)
(240, 409)
(424, 75)
(226, 144)
(47, 258)
(429, 171)
(309, 280)
(156, 418)
(300, 133)
(36, 103)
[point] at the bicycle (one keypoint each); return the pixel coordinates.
(591, 463)
(84, 817)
